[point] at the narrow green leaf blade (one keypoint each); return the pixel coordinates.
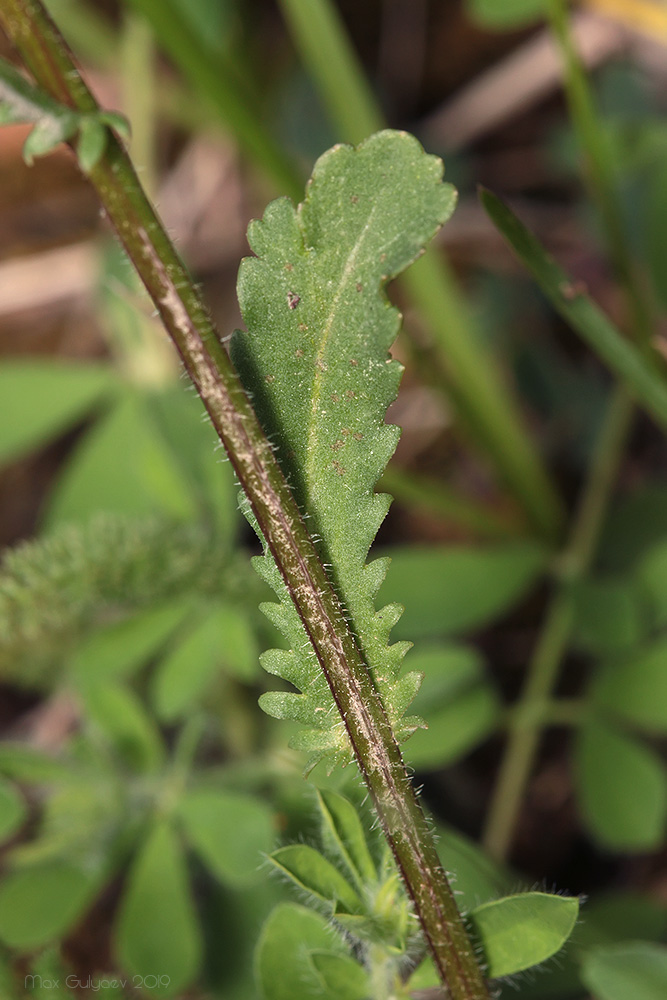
(231, 832)
(315, 359)
(622, 789)
(577, 309)
(157, 932)
(344, 832)
(312, 872)
(523, 930)
(506, 15)
(118, 713)
(633, 970)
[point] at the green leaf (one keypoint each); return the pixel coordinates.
(652, 575)
(635, 970)
(119, 650)
(48, 133)
(156, 930)
(122, 466)
(609, 615)
(231, 832)
(523, 930)
(119, 714)
(24, 763)
(635, 689)
(476, 877)
(506, 14)
(455, 700)
(312, 872)
(40, 904)
(580, 312)
(622, 789)
(456, 729)
(342, 977)
(222, 640)
(91, 142)
(12, 810)
(315, 359)
(190, 665)
(283, 955)
(452, 589)
(343, 833)
(39, 400)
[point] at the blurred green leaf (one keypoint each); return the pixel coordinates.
(622, 789)
(24, 763)
(455, 729)
(230, 831)
(505, 14)
(91, 143)
(344, 834)
(156, 930)
(41, 903)
(635, 970)
(12, 810)
(195, 447)
(635, 524)
(652, 575)
(121, 466)
(452, 589)
(285, 970)
(609, 615)
(523, 930)
(119, 714)
(342, 977)
(312, 872)
(475, 876)
(191, 663)
(41, 399)
(635, 689)
(121, 649)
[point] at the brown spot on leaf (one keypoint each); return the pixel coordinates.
(338, 467)
(269, 378)
(354, 362)
(349, 394)
(289, 267)
(293, 300)
(360, 287)
(345, 431)
(337, 445)
(335, 397)
(354, 199)
(298, 353)
(358, 436)
(302, 327)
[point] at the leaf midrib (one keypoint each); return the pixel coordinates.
(346, 274)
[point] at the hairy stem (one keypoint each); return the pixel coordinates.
(186, 320)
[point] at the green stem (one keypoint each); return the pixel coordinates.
(217, 80)
(526, 725)
(527, 720)
(432, 495)
(599, 160)
(185, 318)
(483, 400)
(138, 79)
